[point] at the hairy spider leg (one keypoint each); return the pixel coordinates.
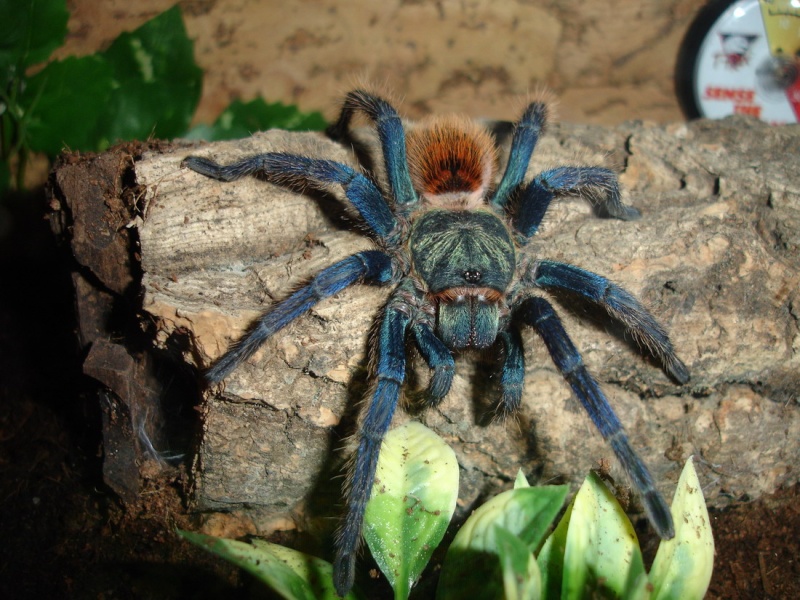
(390, 374)
(537, 195)
(538, 313)
(369, 265)
(526, 136)
(512, 372)
(438, 358)
(392, 137)
(619, 303)
(365, 197)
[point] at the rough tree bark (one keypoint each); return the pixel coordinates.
(716, 256)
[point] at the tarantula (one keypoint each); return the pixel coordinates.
(451, 243)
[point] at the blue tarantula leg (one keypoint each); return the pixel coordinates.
(619, 303)
(362, 193)
(512, 373)
(526, 136)
(371, 265)
(538, 313)
(537, 195)
(390, 373)
(392, 137)
(439, 359)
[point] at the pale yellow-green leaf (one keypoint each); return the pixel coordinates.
(602, 555)
(683, 565)
(521, 577)
(317, 571)
(472, 567)
(521, 481)
(412, 502)
(551, 558)
(292, 574)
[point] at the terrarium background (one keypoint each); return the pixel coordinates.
(607, 61)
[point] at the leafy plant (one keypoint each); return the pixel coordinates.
(145, 84)
(290, 573)
(486, 553)
(503, 550)
(29, 32)
(413, 500)
(241, 119)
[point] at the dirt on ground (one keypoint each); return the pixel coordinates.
(66, 535)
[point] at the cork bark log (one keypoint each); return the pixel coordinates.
(716, 256)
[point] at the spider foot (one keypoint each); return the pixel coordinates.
(676, 369)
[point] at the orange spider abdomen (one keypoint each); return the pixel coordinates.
(452, 161)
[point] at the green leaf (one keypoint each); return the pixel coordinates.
(413, 499)
(156, 82)
(471, 568)
(683, 565)
(602, 555)
(65, 102)
(146, 84)
(292, 574)
(551, 558)
(268, 568)
(521, 481)
(521, 577)
(242, 119)
(525, 512)
(316, 572)
(29, 32)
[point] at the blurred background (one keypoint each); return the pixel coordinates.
(606, 61)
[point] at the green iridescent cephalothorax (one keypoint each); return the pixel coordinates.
(466, 261)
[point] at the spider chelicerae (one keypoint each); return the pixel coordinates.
(452, 243)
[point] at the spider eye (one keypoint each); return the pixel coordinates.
(472, 275)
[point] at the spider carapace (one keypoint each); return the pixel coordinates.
(451, 240)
